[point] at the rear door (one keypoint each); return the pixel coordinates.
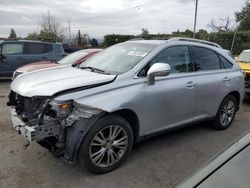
(37, 51)
(213, 80)
(13, 58)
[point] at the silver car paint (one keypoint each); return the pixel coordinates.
(47, 82)
(172, 101)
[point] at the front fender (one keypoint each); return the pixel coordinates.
(75, 135)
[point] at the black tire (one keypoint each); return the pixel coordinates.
(218, 123)
(101, 128)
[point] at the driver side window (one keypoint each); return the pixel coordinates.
(177, 57)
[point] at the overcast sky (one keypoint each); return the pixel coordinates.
(100, 17)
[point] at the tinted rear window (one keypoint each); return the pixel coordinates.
(225, 63)
(37, 48)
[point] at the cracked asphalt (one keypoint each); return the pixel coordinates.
(162, 161)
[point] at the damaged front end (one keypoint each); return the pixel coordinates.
(56, 125)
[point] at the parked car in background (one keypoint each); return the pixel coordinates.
(124, 94)
(244, 61)
(16, 53)
(229, 169)
(74, 58)
(69, 49)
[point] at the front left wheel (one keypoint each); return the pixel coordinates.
(106, 145)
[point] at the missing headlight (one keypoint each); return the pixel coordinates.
(81, 111)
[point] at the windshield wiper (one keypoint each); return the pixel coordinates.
(95, 70)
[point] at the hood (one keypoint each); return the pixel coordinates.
(244, 66)
(47, 82)
(36, 66)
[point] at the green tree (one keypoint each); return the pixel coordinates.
(145, 33)
(12, 34)
(94, 42)
(51, 29)
(243, 17)
(33, 36)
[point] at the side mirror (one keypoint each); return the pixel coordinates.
(2, 57)
(157, 69)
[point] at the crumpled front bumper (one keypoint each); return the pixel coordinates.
(74, 133)
(34, 132)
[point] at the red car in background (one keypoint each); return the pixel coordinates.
(71, 59)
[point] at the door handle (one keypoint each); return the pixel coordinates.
(190, 84)
(45, 57)
(226, 79)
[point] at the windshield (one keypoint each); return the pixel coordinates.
(72, 58)
(244, 56)
(119, 58)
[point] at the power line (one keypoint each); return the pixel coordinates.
(69, 32)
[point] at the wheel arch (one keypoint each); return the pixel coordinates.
(236, 94)
(133, 120)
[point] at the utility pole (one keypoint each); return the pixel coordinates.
(195, 17)
(79, 37)
(232, 46)
(69, 33)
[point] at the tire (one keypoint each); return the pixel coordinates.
(101, 153)
(226, 113)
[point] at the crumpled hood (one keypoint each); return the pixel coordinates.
(47, 82)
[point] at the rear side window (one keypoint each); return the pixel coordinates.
(59, 49)
(205, 59)
(37, 48)
(12, 48)
(225, 63)
(47, 48)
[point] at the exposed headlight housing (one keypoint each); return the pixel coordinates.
(81, 111)
(62, 108)
(86, 111)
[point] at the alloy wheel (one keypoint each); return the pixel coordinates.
(108, 146)
(227, 113)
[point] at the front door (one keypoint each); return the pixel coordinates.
(171, 100)
(13, 58)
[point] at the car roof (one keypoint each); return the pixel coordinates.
(157, 42)
(247, 50)
(27, 41)
(178, 40)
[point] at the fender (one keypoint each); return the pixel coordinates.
(75, 135)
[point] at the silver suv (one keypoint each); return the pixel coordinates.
(124, 94)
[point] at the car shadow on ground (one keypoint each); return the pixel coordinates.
(247, 99)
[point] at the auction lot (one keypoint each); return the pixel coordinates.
(162, 161)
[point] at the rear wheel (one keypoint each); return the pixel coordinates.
(226, 113)
(106, 145)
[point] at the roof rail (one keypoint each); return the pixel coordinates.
(195, 40)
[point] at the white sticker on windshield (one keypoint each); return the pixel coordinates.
(137, 53)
